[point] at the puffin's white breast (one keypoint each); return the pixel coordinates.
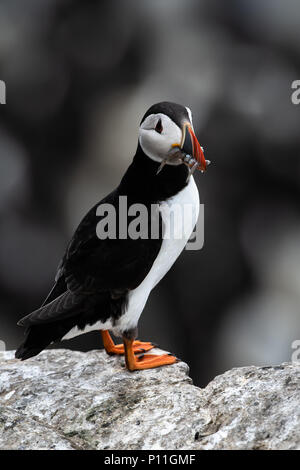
(186, 203)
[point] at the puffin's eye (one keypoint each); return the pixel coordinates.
(159, 127)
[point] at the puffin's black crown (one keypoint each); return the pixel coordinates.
(176, 112)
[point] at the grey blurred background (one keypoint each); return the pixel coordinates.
(79, 77)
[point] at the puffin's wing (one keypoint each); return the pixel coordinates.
(59, 288)
(64, 306)
(115, 265)
(93, 266)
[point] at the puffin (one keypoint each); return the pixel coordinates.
(104, 279)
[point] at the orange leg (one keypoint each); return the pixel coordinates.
(147, 361)
(112, 348)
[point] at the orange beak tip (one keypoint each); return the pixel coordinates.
(197, 150)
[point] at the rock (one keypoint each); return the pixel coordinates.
(63, 399)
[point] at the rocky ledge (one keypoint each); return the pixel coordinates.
(63, 399)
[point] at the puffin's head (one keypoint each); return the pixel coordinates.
(166, 134)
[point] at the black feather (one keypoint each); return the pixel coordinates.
(66, 305)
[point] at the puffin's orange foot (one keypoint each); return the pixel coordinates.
(150, 361)
(111, 348)
(138, 347)
(146, 361)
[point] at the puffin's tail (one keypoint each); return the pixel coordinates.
(38, 337)
(34, 343)
(49, 323)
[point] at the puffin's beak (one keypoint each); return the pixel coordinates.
(190, 146)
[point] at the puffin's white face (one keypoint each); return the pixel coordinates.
(157, 136)
(170, 141)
